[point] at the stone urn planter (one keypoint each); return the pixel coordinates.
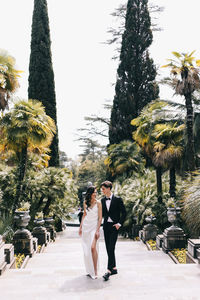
(22, 238)
(172, 215)
(173, 236)
(40, 232)
(49, 224)
(22, 218)
(150, 230)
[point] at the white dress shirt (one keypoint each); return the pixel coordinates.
(108, 202)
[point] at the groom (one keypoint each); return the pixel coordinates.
(114, 214)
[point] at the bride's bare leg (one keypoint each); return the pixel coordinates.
(94, 255)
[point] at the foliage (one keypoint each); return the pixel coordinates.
(186, 80)
(180, 254)
(26, 125)
(152, 244)
(184, 66)
(91, 171)
(191, 204)
(41, 75)
(139, 195)
(8, 191)
(8, 78)
(135, 86)
(24, 206)
(26, 128)
(39, 215)
(124, 159)
(6, 228)
(19, 259)
(51, 190)
(161, 141)
(48, 190)
(120, 14)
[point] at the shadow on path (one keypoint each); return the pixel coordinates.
(83, 284)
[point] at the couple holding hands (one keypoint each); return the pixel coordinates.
(112, 209)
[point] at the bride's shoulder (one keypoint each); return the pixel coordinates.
(99, 202)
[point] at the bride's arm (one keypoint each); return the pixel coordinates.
(97, 234)
(84, 214)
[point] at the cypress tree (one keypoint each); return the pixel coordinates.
(41, 75)
(135, 85)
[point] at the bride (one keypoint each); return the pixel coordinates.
(89, 231)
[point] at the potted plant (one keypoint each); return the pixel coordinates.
(22, 216)
(49, 219)
(23, 239)
(172, 211)
(39, 219)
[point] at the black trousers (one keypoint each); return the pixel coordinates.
(110, 235)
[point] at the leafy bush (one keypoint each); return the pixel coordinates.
(140, 195)
(6, 229)
(191, 205)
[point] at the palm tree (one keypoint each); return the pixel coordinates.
(185, 81)
(26, 128)
(168, 149)
(123, 159)
(144, 137)
(8, 78)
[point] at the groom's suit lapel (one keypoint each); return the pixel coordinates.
(112, 201)
(104, 203)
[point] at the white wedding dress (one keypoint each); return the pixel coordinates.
(89, 228)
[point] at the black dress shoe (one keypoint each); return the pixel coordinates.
(106, 276)
(113, 272)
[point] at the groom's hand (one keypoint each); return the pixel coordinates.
(117, 226)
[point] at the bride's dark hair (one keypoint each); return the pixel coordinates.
(88, 195)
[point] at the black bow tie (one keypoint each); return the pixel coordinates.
(108, 199)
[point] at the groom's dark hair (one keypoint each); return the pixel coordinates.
(107, 184)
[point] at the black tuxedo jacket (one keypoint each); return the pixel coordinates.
(117, 211)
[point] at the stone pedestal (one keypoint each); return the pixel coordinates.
(48, 237)
(149, 232)
(140, 234)
(2, 257)
(52, 232)
(23, 242)
(9, 253)
(193, 245)
(49, 224)
(135, 230)
(159, 240)
(198, 255)
(40, 233)
(173, 237)
(35, 244)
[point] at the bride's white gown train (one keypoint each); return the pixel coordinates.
(89, 228)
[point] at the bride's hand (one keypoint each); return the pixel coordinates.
(80, 231)
(97, 234)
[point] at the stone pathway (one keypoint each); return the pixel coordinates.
(58, 273)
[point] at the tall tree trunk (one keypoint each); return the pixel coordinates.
(46, 208)
(172, 182)
(159, 183)
(21, 175)
(190, 154)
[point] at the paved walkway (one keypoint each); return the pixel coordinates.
(58, 273)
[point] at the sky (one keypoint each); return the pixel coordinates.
(83, 67)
